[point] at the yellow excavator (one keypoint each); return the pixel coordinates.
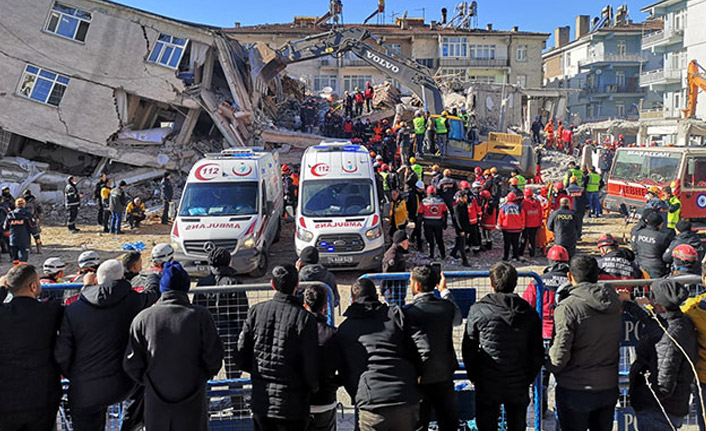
(695, 81)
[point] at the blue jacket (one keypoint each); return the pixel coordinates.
(22, 227)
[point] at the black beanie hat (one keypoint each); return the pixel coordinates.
(219, 257)
(309, 256)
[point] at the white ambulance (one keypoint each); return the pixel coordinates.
(233, 200)
(338, 210)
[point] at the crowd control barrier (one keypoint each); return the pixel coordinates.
(229, 392)
(466, 287)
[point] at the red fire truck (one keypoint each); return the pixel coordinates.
(636, 169)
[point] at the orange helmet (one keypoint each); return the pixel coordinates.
(514, 181)
(486, 172)
(447, 172)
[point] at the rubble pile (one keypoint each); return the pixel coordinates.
(386, 95)
(555, 165)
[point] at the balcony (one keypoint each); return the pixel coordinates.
(668, 36)
(474, 62)
(652, 114)
(624, 59)
(660, 77)
(630, 88)
(354, 62)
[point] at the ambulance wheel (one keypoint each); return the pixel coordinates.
(262, 263)
(278, 234)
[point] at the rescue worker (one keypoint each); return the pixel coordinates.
(398, 213)
(536, 129)
(514, 188)
(593, 186)
(419, 124)
(655, 203)
(549, 130)
(478, 172)
(573, 171)
(533, 220)
(369, 95)
(21, 227)
(5, 209)
(88, 262)
(511, 220)
(560, 136)
(544, 235)
(578, 196)
(558, 194)
(135, 212)
(384, 176)
(436, 176)
(53, 269)
(488, 220)
(563, 222)
(650, 243)
(475, 211)
(616, 263)
(430, 135)
(462, 227)
(442, 132)
(685, 260)
(32, 205)
(166, 194)
(97, 196)
(413, 201)
(433, 213)
(359, 99)
(150, 278)
(521, 181)
(288, 187)
(685, 235)
(447, 188)
(348, 103)
(6, 197)
(674, 210)
(105, 198)
(621, 141)
(72, 199)
(568, 138)
(417, 168)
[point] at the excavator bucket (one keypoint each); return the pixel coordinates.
(265, 63)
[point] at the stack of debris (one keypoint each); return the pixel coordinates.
(386, 95)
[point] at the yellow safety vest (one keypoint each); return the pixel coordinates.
(441, 125)
(673, 217)
(418, 125)
(385, 184)
(419, 170)
(594, 183)
(521, 181)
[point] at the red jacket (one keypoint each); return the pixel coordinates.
(369, 93)
(433, 208)
(489, 219)
(533, 212)
(473, 210)
(359, 97)
(511, 217)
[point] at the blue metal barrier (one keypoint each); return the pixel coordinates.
(395, 287)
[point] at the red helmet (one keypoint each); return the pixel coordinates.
(463, 185)
(384, 167)
(478, 170)
(514, 181)
(485, 194)
(558, 253)
(544, 191)
(286, 168)
(559, 185)
(431, 190)
(528, 192)
(511, 197)
(621, 137)
(686, 253)
(607, 240)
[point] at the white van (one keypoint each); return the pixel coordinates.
(233, 200)
(338, 209)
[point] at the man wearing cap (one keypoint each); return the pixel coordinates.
(511, 220)
(661, 369)
(394, 261)
(72, 199)
(674, 207)
(118, 202)
(650, 243)
(564, 223)
(311, 270)
(22, 228)
(433, 213)
(281, 384)
(685, 235)
(447, 189)
(173, 350)
(533, 220)
(616, 263)
(415, 197)
(92, 342)
(135, 213)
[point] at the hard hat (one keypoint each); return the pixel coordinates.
(88, 259)
(654, 190)
(559, 185)
(286, 168)
(485, 194)
(558, 254)
(372, 154)
(486, 172)
(514, 181)
(573, 180)
(431, 190)
(435, 168)
(621, 136)
(511, 197)
(162, 253)
(419, 185)
(444, 113)
(536, 117)
(447, 172)
(53, 265)
(464, 185)
(493, 170)
(137, 200)
(384, 167)
(378, 157)
(412, 160)
(19, 202)
(607, 240)
(544, 191)
(686, 253)
(528, 192)
(478, 170)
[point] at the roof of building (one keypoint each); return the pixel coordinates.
(662, 3)
(156, 15)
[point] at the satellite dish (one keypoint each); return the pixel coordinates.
(598, 71)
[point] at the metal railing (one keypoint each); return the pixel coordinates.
(660, 76)
(661, 36)
(613, 58)
(473, 62)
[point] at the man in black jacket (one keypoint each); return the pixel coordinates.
(394, 261)
(431, 321)
(72, 199)
(174, 349)
(462, 226)
(323, 402)
(166, 194)
(660, 366)
(311, 270)
(564, 223)
(502, 351)
(282, 383)
(22, 227)
(92, 341)
(685, 235)
(650, 243)
(616, 263)
(102, 180)
(30, 390)
(117, 205)
(378, 362)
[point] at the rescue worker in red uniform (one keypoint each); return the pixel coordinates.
(475, 212)
(511, 220)
(533, 220)
(433, 214)
(488, 219)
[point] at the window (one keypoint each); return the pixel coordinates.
(323, 81)
(620, 79)
(482, 79)
(695, 172)
(68, 22)
(393, 49)
(677, 100)
(219, 199)
(620, 109)
(521, 52)
(567, 58)
(326, 198)
(621, 47)
(42, 85)
(454, 47)
(482, 52)
(350, 82)
(456, 71)
(591, 111)
(168, 51)
(428, 62)
(652, 169)
(522, 80)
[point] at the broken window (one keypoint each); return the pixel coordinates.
(168, 51)
(68, 22)
(42, 85)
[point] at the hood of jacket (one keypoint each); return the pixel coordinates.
(508, 306)
(691, 238)
(364, 307)
(106, 295)
(625, 253)
(601, 299)
(557, 267)
(223, 271)
(313, 271)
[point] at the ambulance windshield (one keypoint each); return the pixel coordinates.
(326, 198)
(219, 199)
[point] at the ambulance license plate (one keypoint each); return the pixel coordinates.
(340, 259)
(202, 268)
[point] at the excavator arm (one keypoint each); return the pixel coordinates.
(340, 40)
(695, 81)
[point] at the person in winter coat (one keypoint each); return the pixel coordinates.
(685, 235)
(488, 219)
(511, 220)
(166, 195)
(132, 262)
(533, 220)
(695, 309)
(447, 189)
(359, 99)
(31, 384)
(150, 278)
(21, 227)
(379, 360)
(6, 197)
(348, 103)
(282, 384)
(136, 213)
(323, 402)
(650, 243)
(462, 227)
(577, 192)
(660, 368)
(92, 342)
(32, 204)
(311, 270)
(118, 203)
(394, 261)
(413, 201)
(564, 223)
(431, 321)
(433, 214)
(502, 351)
(584, 354)
(536, 129)
(72, 200)
(173, 350)
(105, 199)
(616, 263)
(369, 94)
(97, 197)
(398, 212)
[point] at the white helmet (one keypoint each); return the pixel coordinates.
(88, 259)
(53, 265)
(162, 253)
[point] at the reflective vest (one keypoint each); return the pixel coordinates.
(385, 183)
(419, 170)
(466, 119)
(594, 183)
(578, 173)
(673, 217)
(521, 181)
(441, 125)
(418, 125)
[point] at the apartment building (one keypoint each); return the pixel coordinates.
(478, 55)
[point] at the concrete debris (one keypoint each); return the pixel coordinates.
(386, 95)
